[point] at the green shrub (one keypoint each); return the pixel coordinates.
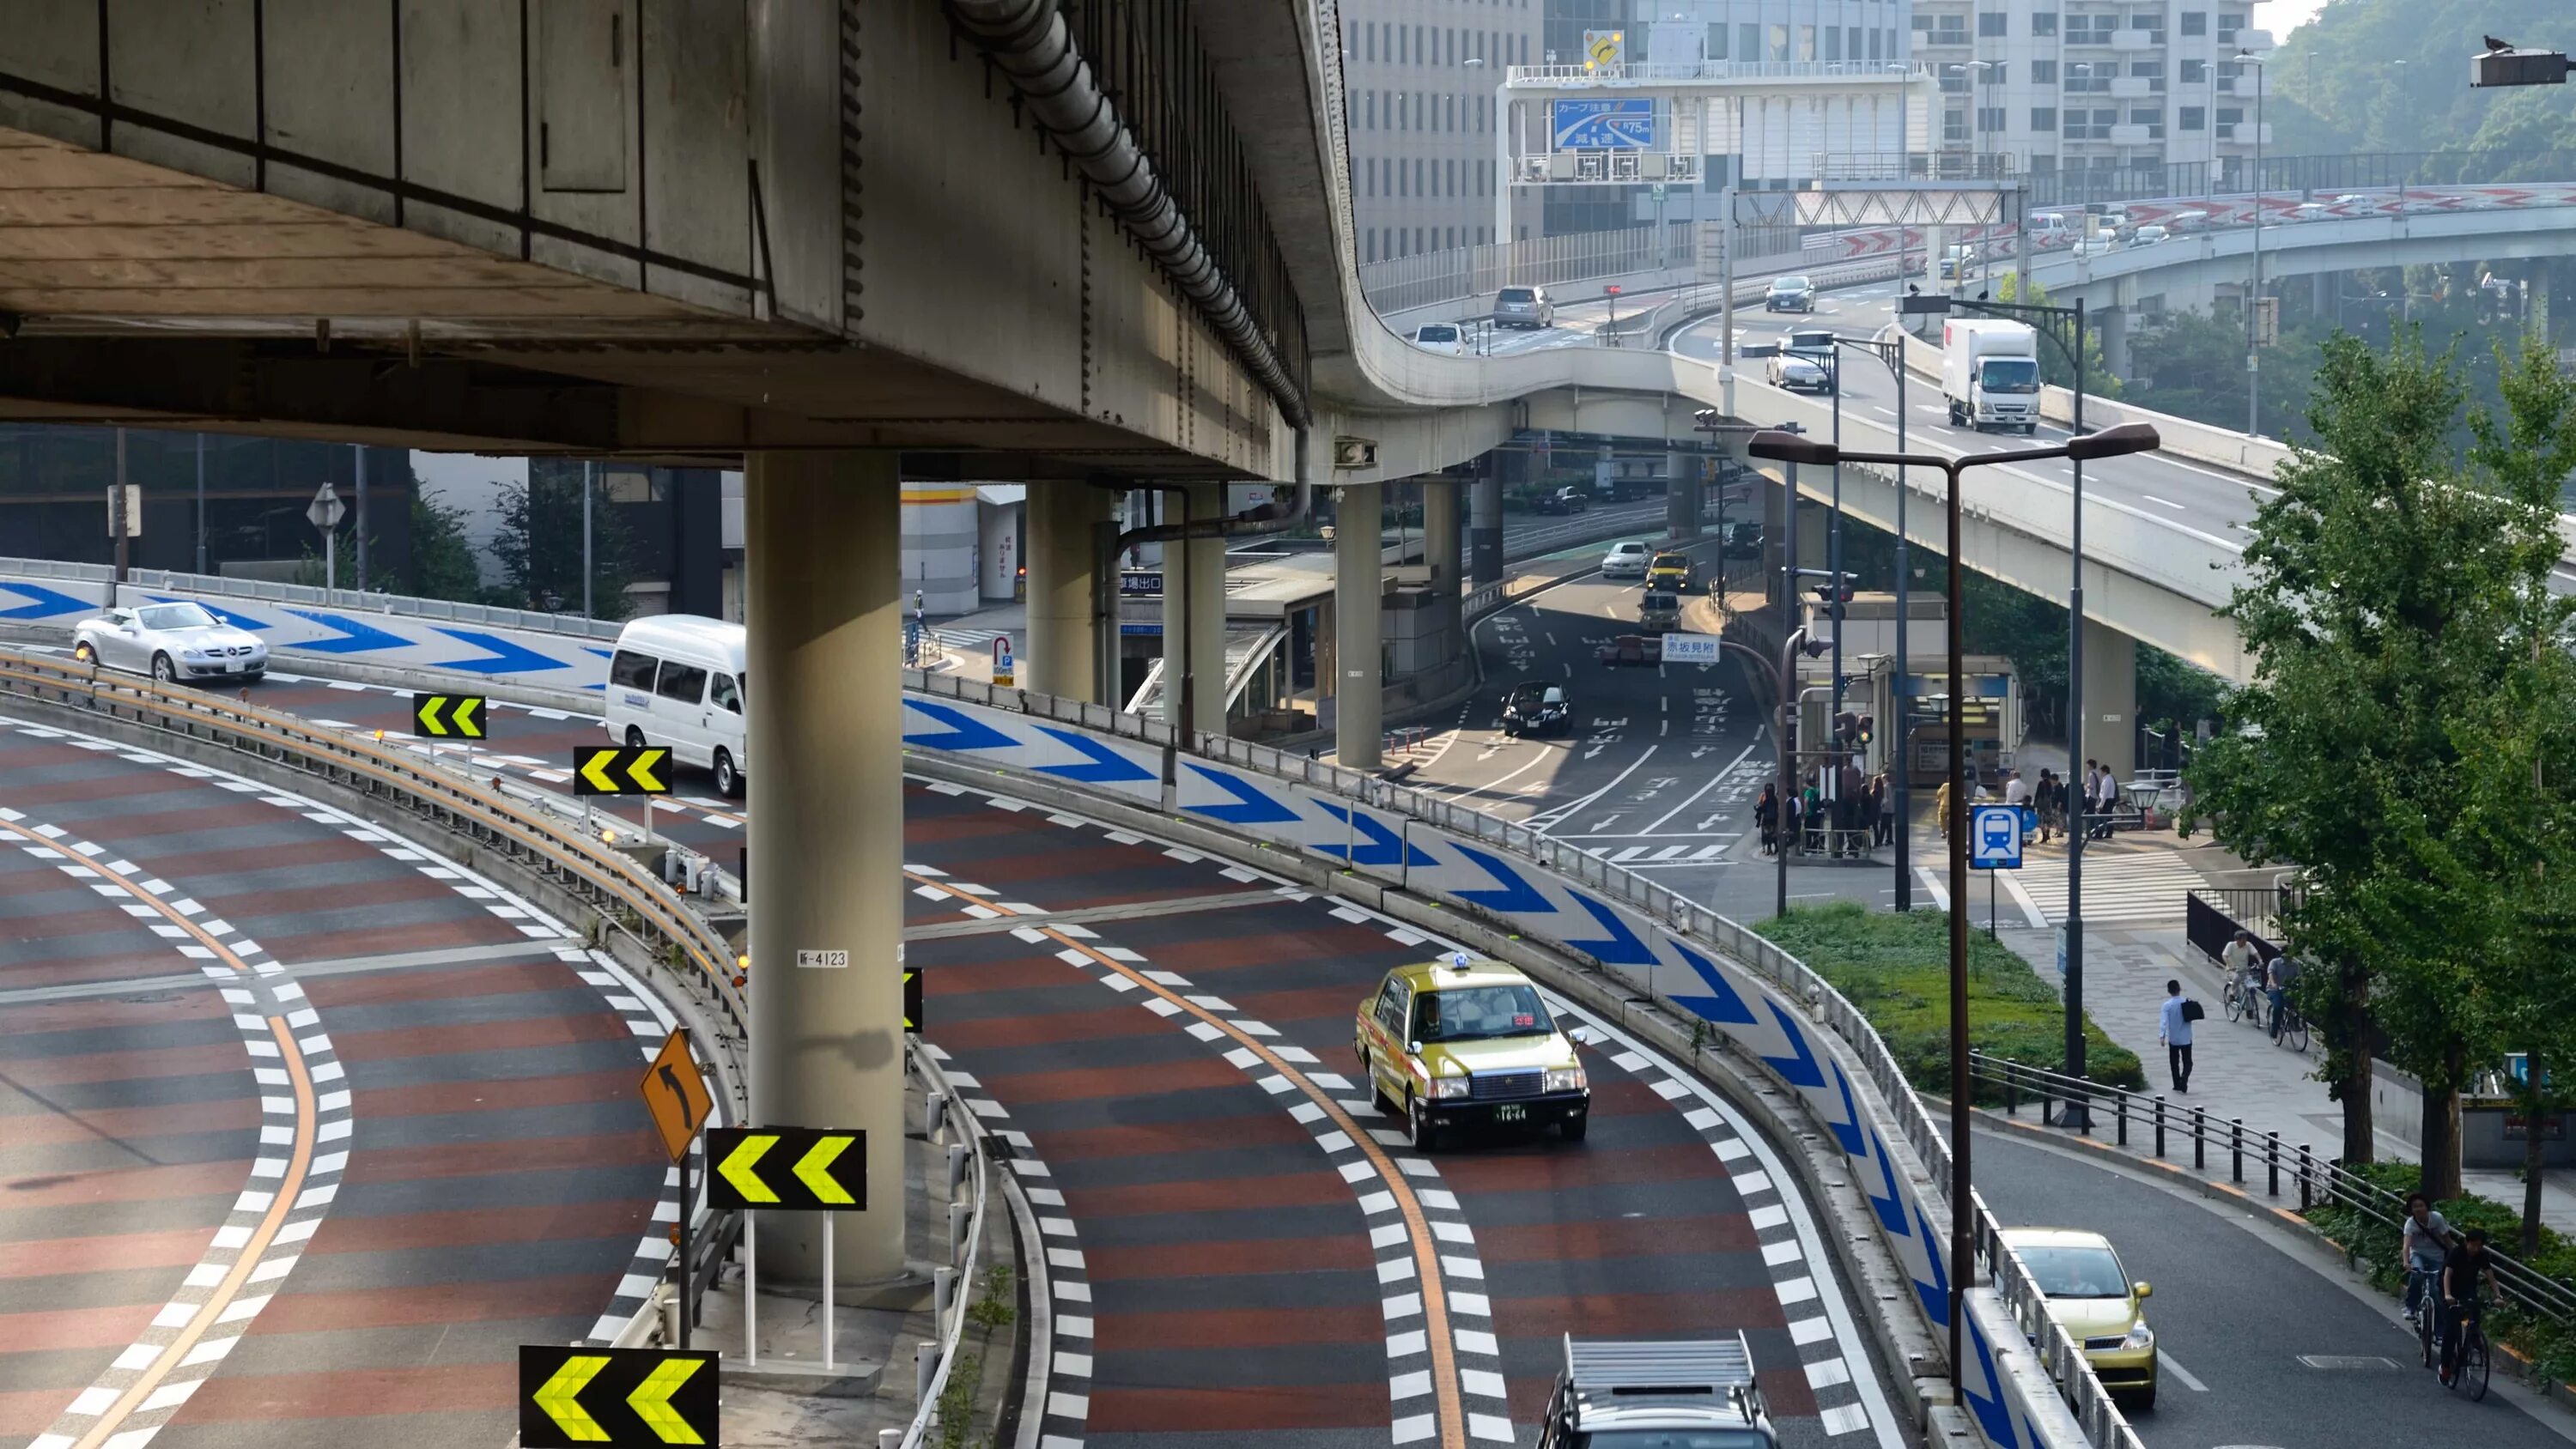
(1895, 968)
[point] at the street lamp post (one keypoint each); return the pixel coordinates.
(2051, 317)
(2254, 299)
(1890, 351)
(2109, 443)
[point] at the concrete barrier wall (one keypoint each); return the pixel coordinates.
(1488, 869)
(353, 635)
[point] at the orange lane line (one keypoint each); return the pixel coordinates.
(1426, 1258)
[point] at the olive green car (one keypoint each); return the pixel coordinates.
(1464, 1042)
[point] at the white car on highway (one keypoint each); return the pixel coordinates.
(175, 643)
(1625, 560)
(1441, 337)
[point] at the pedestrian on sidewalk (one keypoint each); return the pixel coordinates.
(1791, 824)
(2173, 1028)
(2050, 797)
(2106, 800)
(1882, 794)
(1766, 817)
(2084, 791)
(1852, 808)
(1941, 808)
(2016, 789)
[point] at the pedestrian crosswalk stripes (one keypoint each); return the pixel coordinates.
(2116, 888)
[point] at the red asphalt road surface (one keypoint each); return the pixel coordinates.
(501, 1167)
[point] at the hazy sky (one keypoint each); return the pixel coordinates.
(2283, 16)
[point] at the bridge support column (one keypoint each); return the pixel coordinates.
(1681, 496)
(2114, 322)
(1440, 509)
(825, 603)
(1063, 654)
(1359, 588)
(1194, 618)
(2110, 699)
(1485, 527)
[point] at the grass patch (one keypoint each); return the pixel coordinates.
(1895, 968)
(2551, 1349)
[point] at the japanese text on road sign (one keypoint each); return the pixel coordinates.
(795, 1168)
(616, 1398)
(609, 770)
(447, 716)
(1684, 648)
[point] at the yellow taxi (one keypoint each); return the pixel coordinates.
(1466, 1041)
(2101, 1308)
(1670, 573)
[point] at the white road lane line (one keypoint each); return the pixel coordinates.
(2167, 502)
(1557, 816)
(1702, 790)
(2189, 1379)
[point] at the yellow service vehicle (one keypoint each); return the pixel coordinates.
(1467, 1041)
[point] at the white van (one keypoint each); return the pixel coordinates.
(2049, 229)
(680, 681)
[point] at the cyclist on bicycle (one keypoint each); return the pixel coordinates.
(2467, 1263)
(2423, 1239)
(2285, 974)
(2244, 963)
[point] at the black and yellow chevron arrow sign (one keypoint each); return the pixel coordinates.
(615, 1398)
(447, 716)
(911, 1000)
(610, 770)
(791, 1168)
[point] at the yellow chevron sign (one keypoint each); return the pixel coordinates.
(794, 1168)
(612, 770)
(447, 716)
(616, 1398)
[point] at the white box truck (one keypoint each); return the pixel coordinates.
(1990, 373)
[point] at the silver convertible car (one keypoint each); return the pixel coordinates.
(174, 643)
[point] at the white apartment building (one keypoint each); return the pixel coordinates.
(2120, 86)
(1419, 78)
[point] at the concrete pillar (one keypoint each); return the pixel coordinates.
(1359, 586)
(1815, 535)
(1194, 615)
(1062, 653)
(1441, 506)
(1775, 535)
(825, 607)
(2110, 699)
(2114, 322)
(1485, 529)
(1681, 496)
(2321, 294)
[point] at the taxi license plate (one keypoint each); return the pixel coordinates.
(1511, 1114)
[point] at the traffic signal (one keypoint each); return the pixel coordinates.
(1868, 727)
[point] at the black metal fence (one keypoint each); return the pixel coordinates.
(2166, 1131)
(2212, 915)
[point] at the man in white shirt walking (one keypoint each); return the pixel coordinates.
(2173, 1028)
(2106, 798)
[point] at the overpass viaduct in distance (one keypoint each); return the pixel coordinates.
(833, 242)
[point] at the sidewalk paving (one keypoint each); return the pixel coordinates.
(2237, 1071)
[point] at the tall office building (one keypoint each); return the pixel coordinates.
(1419, 79)
(2106, 86)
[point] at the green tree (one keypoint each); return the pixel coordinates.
(442, 560)
(2380, 607)
(539, 546)
(2194, 367)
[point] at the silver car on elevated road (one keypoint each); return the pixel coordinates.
(175, 643)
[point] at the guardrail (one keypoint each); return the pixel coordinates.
(1699, 963)
(2313, 1179)
(226, 586)
(954, 1284)
(625, 891)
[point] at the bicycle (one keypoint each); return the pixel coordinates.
(2425, 1286)
(2292, 1029)
(2242, 999)
(2472, 1376)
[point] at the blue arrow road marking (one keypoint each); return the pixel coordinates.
(1383, 846)
(964, 731)
(1847, 1127)
(355, 637)
(1992, 1416)
(501, 656)
(1621, 947)
(1891, 1208)
(46, 605)
(1251, 805)
(226, 616)
(1723, 1005)
(1798, 1068)
(1935, 1295)
(1517, 896)
(1106, 766)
